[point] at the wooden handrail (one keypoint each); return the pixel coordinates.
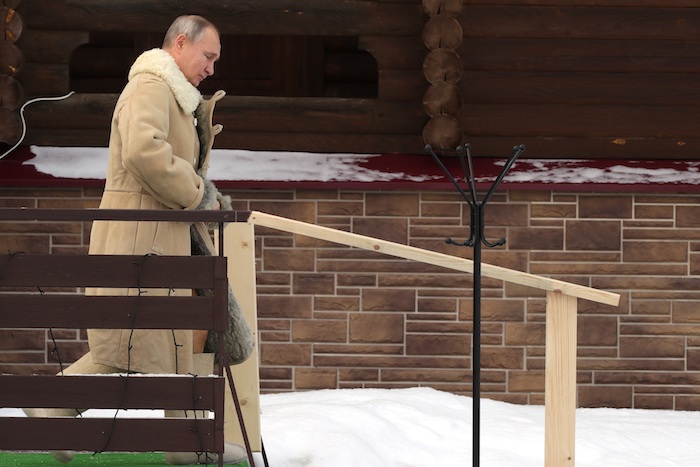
(432, 257)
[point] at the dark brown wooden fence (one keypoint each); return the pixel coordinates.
(33, 295)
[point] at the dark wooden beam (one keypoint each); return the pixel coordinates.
(100, 392)
(314, 17)
(107, 434)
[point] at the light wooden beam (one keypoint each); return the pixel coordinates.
(239, 248)
(432, 257)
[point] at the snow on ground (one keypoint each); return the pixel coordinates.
(423, 426)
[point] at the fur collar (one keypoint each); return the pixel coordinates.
(162, 64)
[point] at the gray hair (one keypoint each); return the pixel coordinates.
(192, 26)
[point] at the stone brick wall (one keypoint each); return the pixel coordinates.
(335, 317)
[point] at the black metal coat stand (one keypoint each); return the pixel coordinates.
(476, 239)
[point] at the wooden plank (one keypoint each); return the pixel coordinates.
(110, 391)
(324, 142)
(44, 79)
(283, 114)
(313, 17)
(22, 270)
(580, 22)
(81, 312)
(603, 3)
(395, 53)
(35, 45)
(560, 120)
(560, 380)
(258, 140)
(547, 54)
(107, 434)
(431, 257)
(239, 241)
(574, 88)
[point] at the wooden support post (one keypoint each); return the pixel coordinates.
(560, 380)
(239, 244)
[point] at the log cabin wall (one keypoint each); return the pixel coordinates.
(587, 79)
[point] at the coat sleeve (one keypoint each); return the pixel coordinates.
(144, 125)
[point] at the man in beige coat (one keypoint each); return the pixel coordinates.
(161, 137)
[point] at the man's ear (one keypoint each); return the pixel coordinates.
(180, 41)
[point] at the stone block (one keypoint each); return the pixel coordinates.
(284, 306)
(376, 328)
(593, 235)
(502, 357)
(437, 344)
(652, 347)
(654, 252)
(526, 381)
(390, 204)
(313, 284)
(389, 300)
(511, 214)
(525, 334)
(389, 229)
(605, 396)
(605, 206)
(688, 216)
(535, 239)
(596, 330)
(18, 339)
(315, 378)
(319, 330)
(289, 260)
(286, 354)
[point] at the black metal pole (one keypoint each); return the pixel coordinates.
(476, 336)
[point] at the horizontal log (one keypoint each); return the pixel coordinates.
(44, 79)
(551, 54)
(273, 114)
(35, 45)
(561, 120)
(10, 126)
(255, 140)
(548, 147)
(572, 88)
(403, 85)
(110, 391)
(541, 88)
(21, 270)
(603, 3)
(81, 312)
(108, 434)
(395, 53)
(580, 22)
(324, 142)
(314, 17)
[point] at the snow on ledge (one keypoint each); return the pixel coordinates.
(266, 169)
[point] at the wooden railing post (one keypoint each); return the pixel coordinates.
(560, 380)
(239, 248)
